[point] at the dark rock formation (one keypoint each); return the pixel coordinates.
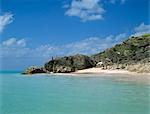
(69, 64)
(34, 70)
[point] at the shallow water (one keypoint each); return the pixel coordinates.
(73, 95)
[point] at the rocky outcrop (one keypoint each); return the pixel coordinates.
(63, 65)
(69, 64)
(34, 70)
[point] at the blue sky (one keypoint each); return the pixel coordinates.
(34, 30)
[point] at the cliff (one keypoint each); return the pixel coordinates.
(69, 64)
(65, 64)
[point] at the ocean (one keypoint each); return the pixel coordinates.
(44, 94)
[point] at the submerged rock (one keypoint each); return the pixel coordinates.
(34, 70)
(69, 64)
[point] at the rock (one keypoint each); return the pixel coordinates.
(63, 69)
(69, 64)
(34, 70)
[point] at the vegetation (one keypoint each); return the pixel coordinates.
(133, 51)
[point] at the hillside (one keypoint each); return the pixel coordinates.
(133, 51)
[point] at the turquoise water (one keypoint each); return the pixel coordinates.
(73, 95)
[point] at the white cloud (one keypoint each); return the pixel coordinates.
(86, 10)
(120, 37)
(5, 20)
(141, 29)
(13, 42)
(21, 43)
(9, 42)
(18, 48)
(90, 45)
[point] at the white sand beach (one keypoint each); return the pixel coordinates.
(96, 72)
(101, 71)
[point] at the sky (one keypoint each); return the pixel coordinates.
(32, 31)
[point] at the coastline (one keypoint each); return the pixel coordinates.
(97, 72)
(101, 71)
(125, 58)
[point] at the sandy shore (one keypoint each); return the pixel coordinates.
(98, 72)
(101, 71)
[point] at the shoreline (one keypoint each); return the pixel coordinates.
(100, 71)
(97, 72)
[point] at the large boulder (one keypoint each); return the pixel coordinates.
(69, 64)
(34, 70)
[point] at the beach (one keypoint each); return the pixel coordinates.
(101, 71)
(95, 72)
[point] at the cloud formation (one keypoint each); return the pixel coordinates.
(142, 29)
(86, 9)
(13, 42)
(15, 47)
(19, 48)
(5, 20)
